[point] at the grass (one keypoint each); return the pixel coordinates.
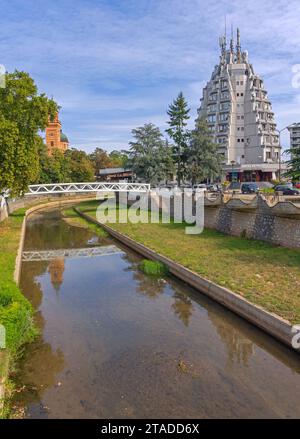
(16, 313)
(153, 268)
(264, 274)
(73, 219)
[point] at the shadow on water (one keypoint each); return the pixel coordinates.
(116, 343)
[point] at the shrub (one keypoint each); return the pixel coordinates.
(153, 268)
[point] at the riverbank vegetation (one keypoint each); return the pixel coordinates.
(153, 268)
(264, 274)
(16, 313)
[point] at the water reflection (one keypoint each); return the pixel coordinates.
(112, 344)
(183, 307)
(56, 269)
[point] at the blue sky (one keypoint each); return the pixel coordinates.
(115, 65)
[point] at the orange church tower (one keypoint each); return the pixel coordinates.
(55, 138)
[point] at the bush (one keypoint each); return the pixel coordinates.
(153, 268)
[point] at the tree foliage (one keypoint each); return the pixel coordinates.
(81, 168)
(202, 156)
(72, 166)
(149, 156)
(178, 113)
(23, 113)
(294, 164)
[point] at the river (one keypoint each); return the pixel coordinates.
(116, 343)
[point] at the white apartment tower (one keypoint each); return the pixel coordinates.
(240, 118)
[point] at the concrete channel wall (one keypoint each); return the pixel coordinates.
(270, 323)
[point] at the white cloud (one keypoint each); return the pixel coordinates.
(114, 65)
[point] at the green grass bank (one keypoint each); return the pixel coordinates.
(16, 313)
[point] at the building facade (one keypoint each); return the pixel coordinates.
(115, 174)
(55, 138)
(240, 117)
(294, 130)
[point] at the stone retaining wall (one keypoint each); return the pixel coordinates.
(254, 217)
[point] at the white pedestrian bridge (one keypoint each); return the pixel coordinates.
(68, 188)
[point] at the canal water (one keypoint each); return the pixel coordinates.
(116, 343)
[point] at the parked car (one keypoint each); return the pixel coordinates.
(213, 188)
(278, 187)
(287, 190)
(249, 188)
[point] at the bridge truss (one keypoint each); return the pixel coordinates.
(67, 188)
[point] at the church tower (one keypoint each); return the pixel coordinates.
(55, 138)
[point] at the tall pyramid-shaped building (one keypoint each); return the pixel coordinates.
(240, 117)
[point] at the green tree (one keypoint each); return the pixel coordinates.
(23, 113)
(81, 167)
(118, 159)
(54, 168)
(294, 164)
(148, 154)
(179, 115)
(100, 160)
(202, 157)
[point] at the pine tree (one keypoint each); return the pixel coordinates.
(294, 164)
(203, 161)
(179, 115)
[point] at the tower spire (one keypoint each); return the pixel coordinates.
(238, 45)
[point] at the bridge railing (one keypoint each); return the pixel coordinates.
(63, 188)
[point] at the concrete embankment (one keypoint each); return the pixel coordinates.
(270, 323)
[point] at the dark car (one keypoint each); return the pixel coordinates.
(287, 190)
(249, 188)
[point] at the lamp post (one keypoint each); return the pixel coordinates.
(232, 165)
(279, 133)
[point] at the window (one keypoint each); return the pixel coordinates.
(242, 94)
(237, 82)
(52, 143)
(224, 84)
(268, 154)
(224, 106)
(242, 140)
(213, 97)
(238, 94)
(223, 128)
(211, 118)
(212, 108)
(223, 117)
(224, 95)
(238, 140)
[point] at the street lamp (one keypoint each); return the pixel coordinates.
(232, 165)
(279, 133)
